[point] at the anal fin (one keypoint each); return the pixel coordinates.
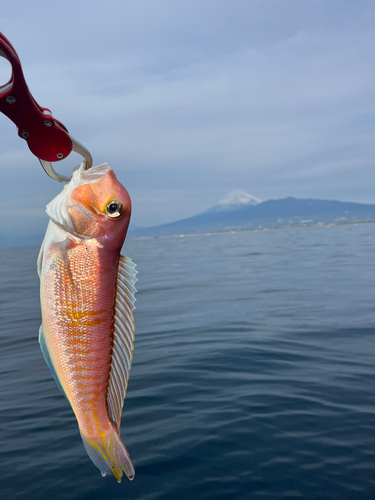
(47, 357)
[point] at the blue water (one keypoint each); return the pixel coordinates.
(253, 373)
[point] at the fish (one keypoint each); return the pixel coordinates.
(87, 302)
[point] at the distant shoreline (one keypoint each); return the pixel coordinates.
(253, 230)
(217, 233)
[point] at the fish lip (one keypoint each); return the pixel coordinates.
(59, 208)
(93, 174)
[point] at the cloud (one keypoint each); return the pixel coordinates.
(188, 100)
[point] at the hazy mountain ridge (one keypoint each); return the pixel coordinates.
(271, 214)
(288, 212)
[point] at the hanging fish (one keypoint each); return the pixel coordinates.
(87, 300)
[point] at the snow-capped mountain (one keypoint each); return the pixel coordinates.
(235, 200)
(288, 212)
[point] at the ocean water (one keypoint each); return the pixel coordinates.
(253, 373)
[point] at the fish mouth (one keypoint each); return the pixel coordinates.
(60, 208)
(93, 174)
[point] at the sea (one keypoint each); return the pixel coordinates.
(253, 374)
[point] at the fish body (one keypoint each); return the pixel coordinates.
(87, 299)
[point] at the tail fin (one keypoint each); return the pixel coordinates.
(110, 455)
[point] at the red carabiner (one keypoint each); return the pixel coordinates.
(47, 138)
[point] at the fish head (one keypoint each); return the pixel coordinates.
(93, 205)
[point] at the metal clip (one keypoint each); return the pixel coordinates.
(47, 138)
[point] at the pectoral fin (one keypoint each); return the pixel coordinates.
(39, 262)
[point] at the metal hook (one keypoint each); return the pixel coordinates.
(78, 148)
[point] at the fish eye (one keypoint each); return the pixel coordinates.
(114, 209)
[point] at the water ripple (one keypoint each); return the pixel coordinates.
(253, 373)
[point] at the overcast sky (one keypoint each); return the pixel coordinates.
(190, 99)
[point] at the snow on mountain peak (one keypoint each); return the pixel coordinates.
(235, 200)
(238, 197)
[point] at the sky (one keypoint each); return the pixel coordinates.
(187, 100)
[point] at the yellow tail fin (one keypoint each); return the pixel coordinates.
(110, 455)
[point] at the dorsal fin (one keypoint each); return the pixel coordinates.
(123, 342)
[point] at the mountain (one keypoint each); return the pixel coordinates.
(235, 200)
(267, 214)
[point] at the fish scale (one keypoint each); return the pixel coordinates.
(84, 352)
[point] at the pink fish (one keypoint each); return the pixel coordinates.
(87, 300)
